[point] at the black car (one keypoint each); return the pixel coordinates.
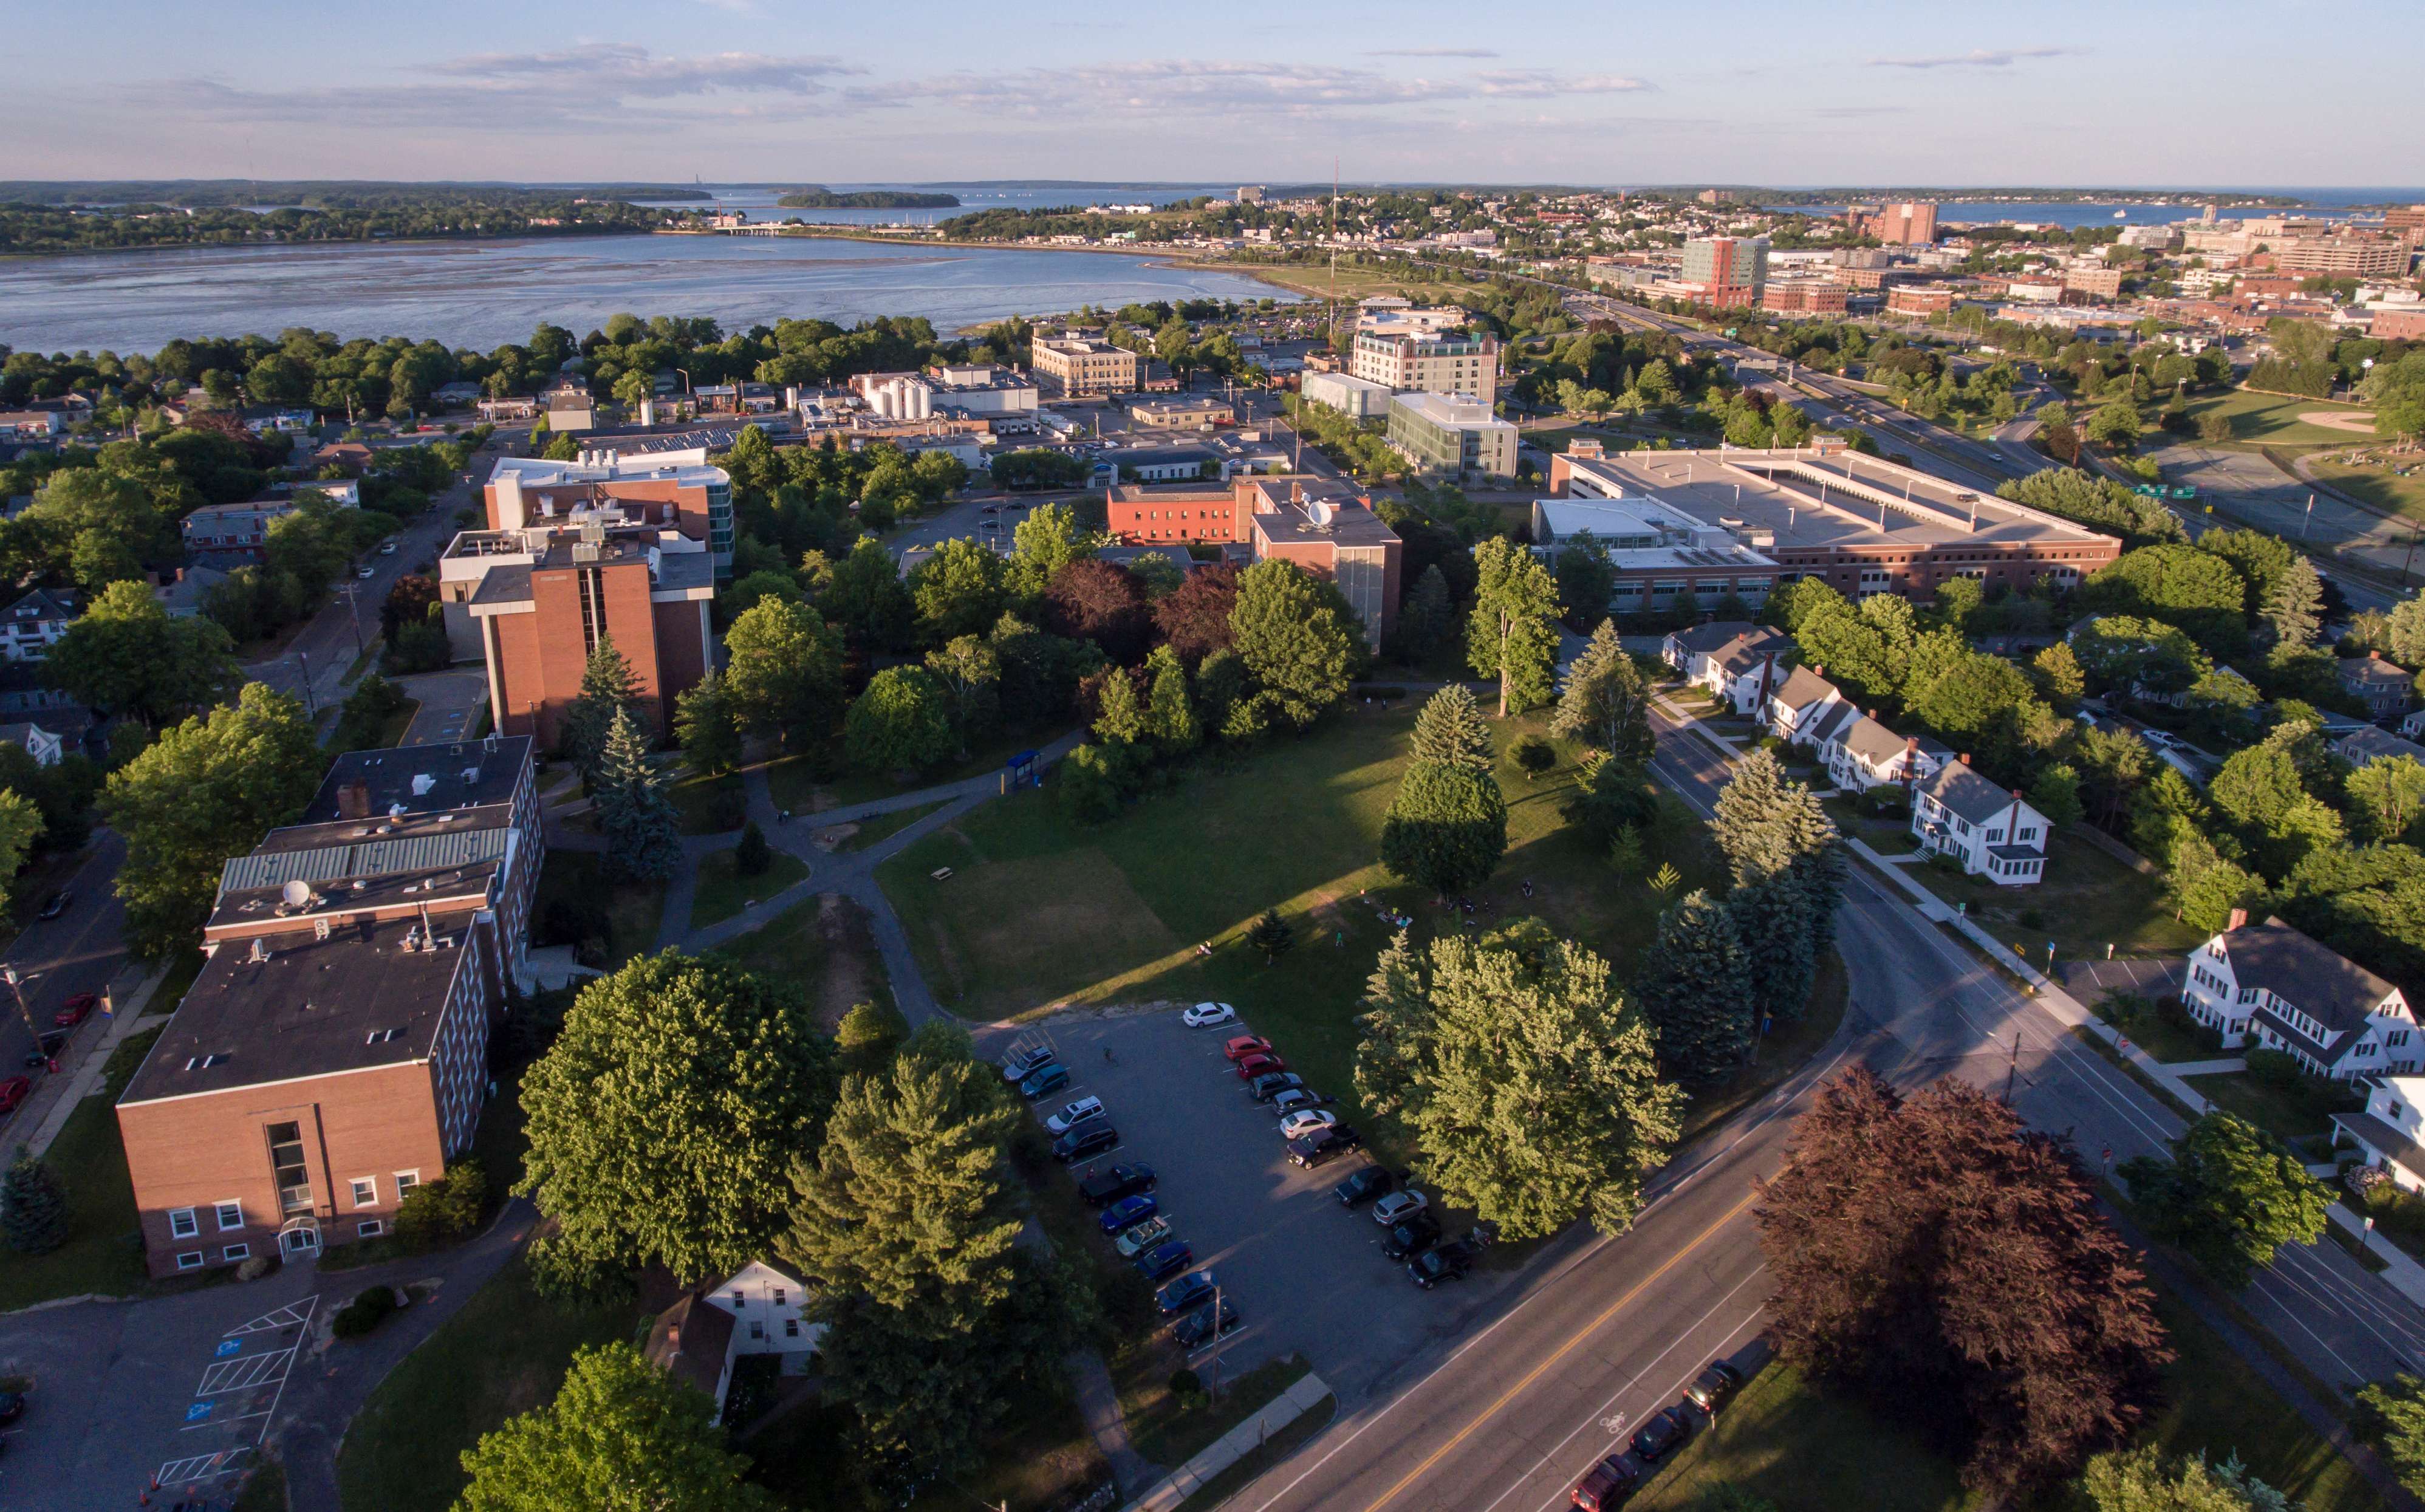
(1272, 1084)
(1323, 1146)
(1410, 1238)
(57, 904)
(1662, 1436)
(1363, 1186)
(1608, 1484)
(1713, 1387)
(1084, 1140)
(1446, 1263)
(1197, 1327)
(47, 1047)
(1119, 1182)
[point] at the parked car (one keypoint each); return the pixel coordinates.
(1288, 1102)
(1119, 1182)
(57, 904)
(73, 1011)
(1608, 1484)
(365, 572)
(1715, 1387)
(1184, 1292)
(1073, 1113)
(13, 1091)
(1324, 1146)
(1399, 1206)
(49, 1045)
(1019, 1065)
(1245, 1045)
(1084, 1140)
(1363, 1186)
(1129, 1212)
(1205, 1015)
(1144, 1236)
(1445, 1263)
(1164, 1259)
(1662, 1436)
(1411, 1238)
(1197, 1328)
(1045, 1081)
(1272, 1083)
(1259, 1064)
(387, 548)
(1304, 1122)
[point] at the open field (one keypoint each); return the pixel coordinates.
(2379, 486)
(723, 892)
(825, 948)
(2271, 419)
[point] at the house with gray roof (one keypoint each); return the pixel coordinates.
(1798, 707)
(2271, 986)
(2385, 687)
(1992, 832)
(1738, 668)
(2367, 743)
(2390, 1129)
(1862, 753)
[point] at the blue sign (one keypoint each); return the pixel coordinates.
(197, 1411)
(227, 1348)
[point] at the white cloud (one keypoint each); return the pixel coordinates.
(625, 69)
(1978, 57)
(1432, 52)
(1541, 83)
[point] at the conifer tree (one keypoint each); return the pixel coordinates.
(1272, 935)
(1514, 637)
(1772, 919)
(607, 686)
(643, 832)
(1606, 704)
(1446, 830)
(33, 1206)
(709, 730)
(1696, 989)
(1169, 717)
(2294, 608)
(1451, 730)
(1427, 619)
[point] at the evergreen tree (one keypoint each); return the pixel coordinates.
(607, 686)
(1426, 620)
(752, 856)
(33, 1207)
(1169, 718)
(2294, 607)
(643, 830)
(1121, 714)
(1696, 989)
(2144, 1480)
(1272, 935)
(1768, 828)
(1446, 830)
(1451, 731)
(1388, 1053)
(1514, 636)
(705, 724)
(1771, 918)
(2058, 675)
(1606, 704)
(869, 1036)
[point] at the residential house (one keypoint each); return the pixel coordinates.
(42, 745)
(2368, 743)
(189, 592)
(281, 419)
(760, 1310)
(1799, 710)
(2385, 687)
(1994, 834)
(1862, 753)
(2389, 1129)
(1734, 661)
(2270, 984)
(32, 625)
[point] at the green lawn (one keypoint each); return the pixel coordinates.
(633, 912)
(2281, 1111)
(505, 1353)
(2272, 419)
(2215, 1405)
(794, 781)
(696, 798)
(1176, 1437)
(1039, 1456)
(2391, 492)
(2087, 901)
(822, 946)
(1887, 834)
(104, 1252)
(2172, 1042)
(883, 826)
(723, 892)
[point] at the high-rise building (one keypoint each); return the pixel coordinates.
(680, 488)
(1902, 225)
(1726, 271)
(2350, 254)
(1431, 362)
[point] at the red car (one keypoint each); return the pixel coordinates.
(12, 1092)
(1256, 1065)
(1245, 1045)
(77, 1006)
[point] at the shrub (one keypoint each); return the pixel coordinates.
(364, 1312)
(2275, 1068)
(254, 1267)
(1533, 755)
(1186, 1388)
(443, 1211)
(727, 808)
(753, 856)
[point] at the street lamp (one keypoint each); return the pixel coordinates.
(17, 991)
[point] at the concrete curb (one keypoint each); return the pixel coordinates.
(127, 1017)
(1190, 1478)
(2405, 1276)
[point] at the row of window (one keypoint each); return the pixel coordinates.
(184, 1223)
(196, 1260)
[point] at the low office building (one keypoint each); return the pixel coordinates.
(1429, 361)
(1451, 434)
(1354, 397)
(1071, 366)
(1322, 526)
(1805, 296)
(676, 489)
(2271, 986)
(1192, 412)
(1992, 834)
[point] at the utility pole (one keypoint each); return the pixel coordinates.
(309, 707)
(2013, 1071)
(9, 974)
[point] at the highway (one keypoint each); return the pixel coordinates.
(1508, 1418)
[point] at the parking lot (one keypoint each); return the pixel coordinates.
(1306, 1274)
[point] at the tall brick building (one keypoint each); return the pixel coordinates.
(333, 1055)
(1727, 272)
(677, 489)
(1322, 526)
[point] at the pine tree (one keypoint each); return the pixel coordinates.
(1514, 636)
(642, 829)
(1272, 935)
(752, 856)
(1771, 918)
(607, 686)
(1447, 828)
(33, 1206)
(1696, 989)
(1451, 731)
(1427, 619)
(2295, 608)
(1385, 1057)
(1606, 704)
(1169, 718)
(1625, 853)
(1120, 715)
(708, 728)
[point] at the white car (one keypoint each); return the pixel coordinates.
(1205, 1015)
(387, 548)
(364, 574)
(1398, 1207)
(1304, 1122)
(1084, 1110)
(2162, 741)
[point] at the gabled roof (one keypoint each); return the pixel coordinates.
(690, 1341)
(1967, 793)
(1803, 688)
(2359, 746)
(1710, 637)
(2316, 979)
(1872, 741)
(42, 604)
(1831, 720)
(1745, 653)
(2374, 670)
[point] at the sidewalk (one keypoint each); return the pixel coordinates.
(2406, 1276)
(1185, 1482)
(57, 1097)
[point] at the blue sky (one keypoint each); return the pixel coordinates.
(2124, 92)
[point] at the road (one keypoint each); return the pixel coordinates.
(56, 959)
(1612, 1329)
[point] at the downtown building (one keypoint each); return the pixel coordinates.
(333, 1053)
(1726, 272)
(1071, 366)
(1430, 362)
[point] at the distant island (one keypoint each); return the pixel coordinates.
(318, 194)
(820, 197)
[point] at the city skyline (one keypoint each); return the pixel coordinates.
(751, 90)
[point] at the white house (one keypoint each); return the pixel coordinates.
(2272, 985)
(1738, 668)
(32, 625)
(1682, 647)
(2367, 743)
(1992, 834)
(759, 1310)
(1862, 753)
(2389, 1129)
(42, 745)
(1803, 707)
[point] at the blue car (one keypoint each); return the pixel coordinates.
(1164, 1259)
(1051, 1078)
(1184, 1292)
(1130, 1210)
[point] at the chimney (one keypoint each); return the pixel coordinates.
(354, 800)
(1964, 758)
(1296, 495)
(2237, 918)
(2374, 657)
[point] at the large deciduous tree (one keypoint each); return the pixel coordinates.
(784, 676)
(1194, 618)
(957, 590)
(2231, 1196)
(619, 1436)
(901, 723)
(1606, 704)
(1446, 829)
(126, 655)
(1090, 599)
(1514, 636)
(2392, 1418)
(1298, 642)
(1936, 1256)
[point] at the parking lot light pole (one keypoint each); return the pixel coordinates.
(1212, 1391)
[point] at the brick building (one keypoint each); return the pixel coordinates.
(1319, 524)
(1070, 366)
(2398, 325)
(1431, 362)
(332, 1054)
(1727, 272)
(679, 490)
(1920, 300)
(1805, 296)
(1899, 225)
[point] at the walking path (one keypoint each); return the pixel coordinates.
(1308, 1393)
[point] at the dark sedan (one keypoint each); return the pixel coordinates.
(1164, 1259)
(1363, 1186)
(1184, 1292)
(1272, 1083)
(1662, 1436)
(1196, 1329)
(1410, 1238)
(1323, 1146)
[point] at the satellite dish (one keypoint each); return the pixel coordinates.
(297, 894)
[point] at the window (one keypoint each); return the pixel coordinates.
(740, 1297)
(406, 1182)
(2392, 1107)
(182, 1223)
(757, 1330)
(231, 1215)
(294, 1177)
(190, 1259)
(780, 1294)
(365, 1191)
(791, 1327)
(237, 1252)
(369, 1229)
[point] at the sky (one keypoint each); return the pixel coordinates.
(2142, 93)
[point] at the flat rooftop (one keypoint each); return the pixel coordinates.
(450, 888)
(1808, 501)
(424, 779)
(1341, 522)
(608, 464)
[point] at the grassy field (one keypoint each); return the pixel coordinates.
(723, 892)
(632, 913)
(1180, 1437)
(104, 1252)
(696, 799)
(2272, 419)
(795, 785)
(2088, 900)
(2384, 489)
(2280, 1111)
(826, 948)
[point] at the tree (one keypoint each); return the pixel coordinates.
(869, 1036)
(1451, 730)
(751, 855)
(125, 654)
(862, 595)
(2115, 424)
(2215, 428)
(1169, 718)
(607, 688)
(1586, 579)
(1298, 643)
(642, 829)
(1047, 540)
(619, 1436)
(1940, 1259)
(706, 725)
(2231, 1196)
(2393, 1419)
(2389, 794)
(1533, 754)
(1606, 704)
(1272, 935)
(1447, 827)
(1775, 831)
(207, 789)
(2201, 593)
(957, 590)
(21, 826)
(2058, 675)
(664, 1121)
(970, 671)
(784, 672)
(901, 723)
(33, 1206)
(2146, 1480)
(1119, 713)
(1102, 601)
(1512, 638)
(2293, 609)
(1696, 989)
(1194, 618)
(1529, 1084)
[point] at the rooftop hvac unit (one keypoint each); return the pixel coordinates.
(422, 783)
